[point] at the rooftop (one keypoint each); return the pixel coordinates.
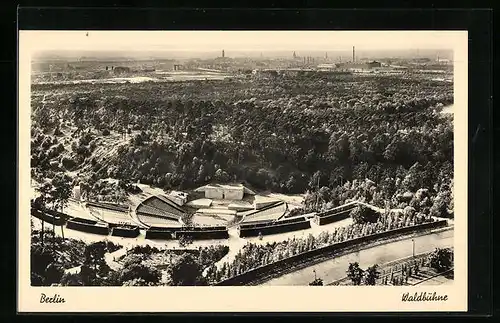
(227, 187)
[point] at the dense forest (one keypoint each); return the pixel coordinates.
(53, 258)
(381, 139)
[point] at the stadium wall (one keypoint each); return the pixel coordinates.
(273, 228)
(109, 206)
(159, 234)
(322, 220)
(126, 232)
(87, 226)
(49, 218)
(203, 235)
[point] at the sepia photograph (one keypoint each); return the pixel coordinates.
(265, 159)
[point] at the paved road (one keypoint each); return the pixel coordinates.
(335, 269)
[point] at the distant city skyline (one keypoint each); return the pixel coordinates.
(331, 55)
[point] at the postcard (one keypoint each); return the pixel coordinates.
(242, 171)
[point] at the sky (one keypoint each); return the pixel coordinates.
(237, 40)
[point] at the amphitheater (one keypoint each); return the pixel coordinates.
(212, 212)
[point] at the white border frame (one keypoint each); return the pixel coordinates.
(259, 298)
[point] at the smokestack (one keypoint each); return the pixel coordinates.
(353, 54)
(222, 53)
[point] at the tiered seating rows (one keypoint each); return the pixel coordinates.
(272, 213)
(109, 206)
(146, 209)
(162, 206)
(170, 203)
(111, 216)
(153, 220)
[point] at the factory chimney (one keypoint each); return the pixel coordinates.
(353, 54)
(223, 54)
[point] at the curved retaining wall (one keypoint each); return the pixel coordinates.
(159, 234)
(88, 226)
(109, 206)
(326, 219)
(203, 235)
(273, 228)
(126, 232)
(261, 271)
(49, 218)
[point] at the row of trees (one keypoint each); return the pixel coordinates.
(359, 276)
(254, 255)
(51, 258)
(440, 260)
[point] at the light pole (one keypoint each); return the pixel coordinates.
(413, 247)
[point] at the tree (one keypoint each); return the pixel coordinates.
(183, 239)
(41, 202)
(440, 259)
(413, 179)
(69, 279)
(355, 273)
(362, 214)
(94, 266)
(371, 275)
(135, 270)
(43, 267)
(62, 192)
(185, 271)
